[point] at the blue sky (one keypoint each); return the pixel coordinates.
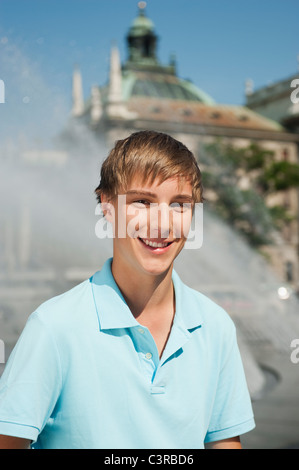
(218, 45)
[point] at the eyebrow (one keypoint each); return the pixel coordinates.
(150, 194)
(141, 193)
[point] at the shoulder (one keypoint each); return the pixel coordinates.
(211, 311)
(200, 308)
(66, 308)
(217, 329)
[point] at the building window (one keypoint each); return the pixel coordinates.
(285, 154)
(186, 112)
(289, 271)
(215, 115)
(243, 118)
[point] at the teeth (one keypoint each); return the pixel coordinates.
(154, 244)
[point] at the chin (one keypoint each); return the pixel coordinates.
(156, 267)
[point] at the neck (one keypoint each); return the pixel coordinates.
(145, 294)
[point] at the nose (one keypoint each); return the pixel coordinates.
(160, 221)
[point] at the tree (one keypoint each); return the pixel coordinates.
(225, 166)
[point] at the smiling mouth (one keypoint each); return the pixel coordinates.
(153, 244)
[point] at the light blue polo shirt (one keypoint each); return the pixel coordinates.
(86, 374)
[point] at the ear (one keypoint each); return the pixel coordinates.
(107, 208)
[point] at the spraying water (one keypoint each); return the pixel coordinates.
(48, 242)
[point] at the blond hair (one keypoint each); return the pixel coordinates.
(152, 155)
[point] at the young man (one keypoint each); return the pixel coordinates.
(131, 358)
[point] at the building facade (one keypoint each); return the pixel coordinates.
(278, 101)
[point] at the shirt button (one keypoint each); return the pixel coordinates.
(141, 330)
(148, 355)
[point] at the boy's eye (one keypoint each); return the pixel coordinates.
(141, 203)
(181, 206)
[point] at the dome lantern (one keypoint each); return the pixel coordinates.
(141, 38)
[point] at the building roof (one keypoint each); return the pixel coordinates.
(162, 86)
(273, 91)
(199, 113)
(155, 93)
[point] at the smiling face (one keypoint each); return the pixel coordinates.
(147, 177)
(151, 223)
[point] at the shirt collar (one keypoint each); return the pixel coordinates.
(113, 311)
(188, 307)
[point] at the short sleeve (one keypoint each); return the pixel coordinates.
(232, 413)
(31, 382)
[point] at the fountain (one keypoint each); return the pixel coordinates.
(48, 244)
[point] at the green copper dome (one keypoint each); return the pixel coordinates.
(137, 83)
(144, 76)
(141, 25)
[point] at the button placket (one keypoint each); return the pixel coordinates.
(150, 361)
(147, 350)
(148, 345)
